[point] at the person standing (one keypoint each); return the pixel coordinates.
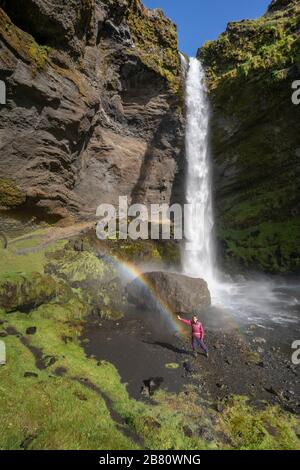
(197, 334)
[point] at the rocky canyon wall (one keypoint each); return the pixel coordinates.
(94, 106)
(95, 110)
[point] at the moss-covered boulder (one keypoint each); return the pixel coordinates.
(24, 292)
(255, 141)
(96, 279)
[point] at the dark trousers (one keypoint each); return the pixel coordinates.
(198, 343)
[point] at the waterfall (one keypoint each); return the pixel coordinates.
(198, 252)
(246, 301)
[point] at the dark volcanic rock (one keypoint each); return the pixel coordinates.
(30, 375)
(93, 107)
(181, 293)
(67, 24)
(281, 4)
(31, 330)
(27, 441)
(151, 385)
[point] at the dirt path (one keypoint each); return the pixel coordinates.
(53, 234)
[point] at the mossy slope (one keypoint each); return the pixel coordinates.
(255, 142)
(53, 397)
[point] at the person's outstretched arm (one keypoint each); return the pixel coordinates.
(187, 322)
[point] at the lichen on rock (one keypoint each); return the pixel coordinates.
(155, 41)
(10, 194)
(23, 43)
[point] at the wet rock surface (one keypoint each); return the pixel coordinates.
(140, 347)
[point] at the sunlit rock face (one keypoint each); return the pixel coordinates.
(182, 294)
(255, 139)
(94, 105)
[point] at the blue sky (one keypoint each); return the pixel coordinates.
(201, 20)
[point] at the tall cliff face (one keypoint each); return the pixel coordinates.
(93, 105)
(255, 138)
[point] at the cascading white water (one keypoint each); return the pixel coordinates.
(198, 253)
(261, 300)
(247, 301)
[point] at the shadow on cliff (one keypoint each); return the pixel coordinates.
(166, 143)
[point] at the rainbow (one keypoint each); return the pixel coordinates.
(134, 273)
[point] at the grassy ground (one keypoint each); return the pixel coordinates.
(53, 397)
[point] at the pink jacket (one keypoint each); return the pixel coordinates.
(197, 328)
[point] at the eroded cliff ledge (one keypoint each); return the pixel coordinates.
(256, 139)
(93, 105)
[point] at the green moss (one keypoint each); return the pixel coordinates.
(27, 253)
(253, 46)
(267, 429)
(253, 356)
(249, 72)
(73, 402)
(97, 280)
(10, 194)
(23, 43)
(296, 53)
(170, 252)
(172, 365)
(72, 310)
(61, 412)
(75, 77)
(135, 250)
(150, 251)
(273, 247)
(75, 266)
(23, 291)
(39, 54)
(156, 42)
